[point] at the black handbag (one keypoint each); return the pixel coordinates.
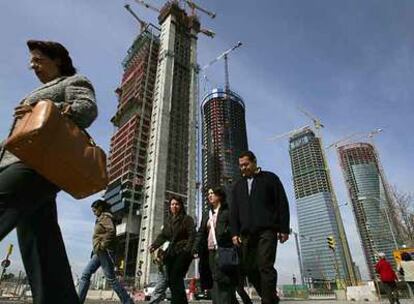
(228, 258)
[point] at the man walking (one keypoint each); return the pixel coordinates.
(388, 278)
(259, 218)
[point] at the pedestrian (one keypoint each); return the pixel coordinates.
(104, 245)
(407, 268)
(158, 295)
(215, 232)
(27, 199)
(179, 230)
(259, 219)
(388, 278)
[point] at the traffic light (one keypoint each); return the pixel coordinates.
(331, 242)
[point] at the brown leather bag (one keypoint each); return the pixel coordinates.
(55, 147)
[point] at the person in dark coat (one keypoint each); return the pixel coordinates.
(27, 199)
(388, 278)
(222, 283)
(179, 230)
(259, 219)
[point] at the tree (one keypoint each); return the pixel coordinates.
(402, 215)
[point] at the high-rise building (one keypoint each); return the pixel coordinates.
(224, 138)
(318, 213)
(370, 199)
(171, 157)
(129, 144)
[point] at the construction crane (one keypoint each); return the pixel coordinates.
(226, 64)
(289, 133)
(193, 6)
(149, 6)
(141, 22)
(354, 137)
(316, 120)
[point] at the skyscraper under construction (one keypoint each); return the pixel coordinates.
(171, 155)
(370, 199)
(129, 144)
(224, 138)
(318, 213)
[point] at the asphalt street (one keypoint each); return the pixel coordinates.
(2, 301)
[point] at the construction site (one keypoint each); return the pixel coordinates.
(318, 216)
(369, 193)
(153, 149)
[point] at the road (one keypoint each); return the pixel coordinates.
(209, 302)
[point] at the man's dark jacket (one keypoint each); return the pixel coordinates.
(267, 206)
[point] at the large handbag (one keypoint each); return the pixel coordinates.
(55, 147)
(227, 257)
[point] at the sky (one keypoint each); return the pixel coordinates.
(350, 63)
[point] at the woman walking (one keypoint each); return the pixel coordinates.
(104, 242)
(179, 230)
(27, 199)
(214, 231)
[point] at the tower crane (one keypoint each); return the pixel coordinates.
(193, 6)
(149, 6)
(355, 136)
(289, 133)
(316, 120)
(226, 64)
(141, 22)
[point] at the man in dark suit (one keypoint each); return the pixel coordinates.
(259, 218)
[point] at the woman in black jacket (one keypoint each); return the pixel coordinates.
(179, 230)
(222, 283)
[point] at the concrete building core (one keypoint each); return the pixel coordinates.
(171, 156)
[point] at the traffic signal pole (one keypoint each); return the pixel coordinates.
(6, 262)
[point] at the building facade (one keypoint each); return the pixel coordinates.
(129, 145)
(171, 157)
(318, 213)
(370, 201)
(224, 138)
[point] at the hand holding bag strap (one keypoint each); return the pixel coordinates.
(66, 112)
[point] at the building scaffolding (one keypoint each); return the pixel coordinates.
(370, 197)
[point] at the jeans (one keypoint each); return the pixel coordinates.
(105, 260)
(27, 203)
(162, 284)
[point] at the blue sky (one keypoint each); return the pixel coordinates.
(349, 62)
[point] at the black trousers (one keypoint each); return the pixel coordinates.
(223, 291)
(392, 292)
(177, 267)
(258, 257)
(241, 278)
(27, 203)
